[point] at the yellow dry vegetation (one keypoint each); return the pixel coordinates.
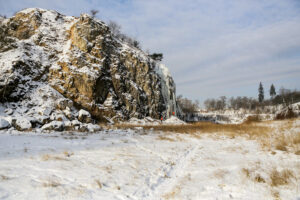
(270, 134)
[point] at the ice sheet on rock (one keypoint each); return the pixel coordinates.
(168, 90)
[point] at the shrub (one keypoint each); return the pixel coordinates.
(252, 118)
(287, 113)
(156, 56)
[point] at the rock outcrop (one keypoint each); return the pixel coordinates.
(81, 59)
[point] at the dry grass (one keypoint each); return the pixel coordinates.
(281, 146)
(68, 154)
(246, 172)
(51, 183)
(258, 178)
(162, 137)
(287, 138)
(275, 194)
(281, 178)
(99, 184)
(220, 173)
(276, 178)
(4, 178)
(173, 193)
(296, 138)
(252, 118)
(48, 157)
(288, 114)
(208, 127)
(253, 175)
(271, 135)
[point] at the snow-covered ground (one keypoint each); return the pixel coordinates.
(154, 122)
(140, 164)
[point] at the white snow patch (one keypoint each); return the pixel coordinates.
(83, 113)
(173, 120)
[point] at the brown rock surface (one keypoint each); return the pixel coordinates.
(81, 59)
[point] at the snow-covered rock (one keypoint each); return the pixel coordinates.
(93, 127)
(54, 126)
(84, 116)
(75, 122)
(9, 111)
(22, 124)
(68, 112)
(4, 124)
(58, 117)
(64, 103)
(81, 59)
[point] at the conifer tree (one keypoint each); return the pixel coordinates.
(261, 95)
(272, 91)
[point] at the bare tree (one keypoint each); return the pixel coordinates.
(136, 44)
(187, 105)
(94, 12)
(157, 56)
(115, 28)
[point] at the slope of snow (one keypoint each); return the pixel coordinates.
(126, 164)
(173, 120)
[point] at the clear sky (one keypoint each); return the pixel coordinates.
(212, 47)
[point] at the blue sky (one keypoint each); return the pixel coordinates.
(212, 48)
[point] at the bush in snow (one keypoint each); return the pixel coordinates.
(287, 113)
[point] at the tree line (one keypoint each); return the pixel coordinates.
(284, 96)
(187, 105)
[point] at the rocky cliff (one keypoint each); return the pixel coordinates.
(88, 68)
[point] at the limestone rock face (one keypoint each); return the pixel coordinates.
(81, 59)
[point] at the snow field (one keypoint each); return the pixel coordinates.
(142, 164)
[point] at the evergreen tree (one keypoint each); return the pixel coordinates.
(261, 95)
(272, 91)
